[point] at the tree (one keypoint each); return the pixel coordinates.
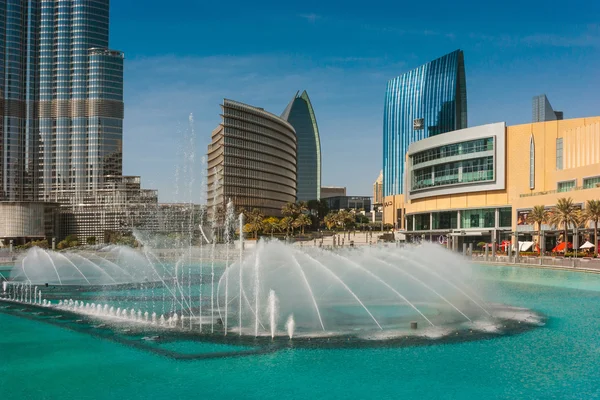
(592, 214)
(255, 221)
(91, 240)
(290, 210)
(538, 216)
(565, 213)
(271, 225)
(302, 221)
(331, 220)
(345, 218)
(287, 224)
(302, 207)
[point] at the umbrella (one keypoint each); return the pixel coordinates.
(561, 247)
(587, 245)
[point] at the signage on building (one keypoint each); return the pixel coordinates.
(419, 124)
(388, 204)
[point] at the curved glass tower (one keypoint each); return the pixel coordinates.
(300, 114)
(427, 101)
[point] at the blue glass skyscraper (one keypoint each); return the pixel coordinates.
(427, 101)
(61, 90)
(300, 114)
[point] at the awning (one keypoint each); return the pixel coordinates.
(560, 248)
(525, 246)
(587, 245)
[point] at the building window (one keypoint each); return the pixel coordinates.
(559, 153)
(409, 223)
(422, 222)
(566, 186)
(592, 182)
(531, 164)
(445, 220)
(505, 217)
(481, 218)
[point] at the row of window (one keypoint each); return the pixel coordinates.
(472, 146)
(448, 220)
(477, 170)
(588, 183)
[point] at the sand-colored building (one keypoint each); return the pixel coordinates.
(478, 184)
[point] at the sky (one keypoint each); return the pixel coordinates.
(184, 56)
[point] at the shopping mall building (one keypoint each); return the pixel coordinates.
(478, 184)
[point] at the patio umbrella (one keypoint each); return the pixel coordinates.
(587, 245)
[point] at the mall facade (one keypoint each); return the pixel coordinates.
(479, 184)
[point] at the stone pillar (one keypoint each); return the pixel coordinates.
(464, 249)
(11, 245)
(494, 241)
(487, 250)
(470, 249)
(53, 243)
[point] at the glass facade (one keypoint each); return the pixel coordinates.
(300, 114)
(468, 171)
(445, 220)
(482, 218)
(566, 186)
(505, 215)
(427, 101)
(63, 98)
(592, 182)
(460, 219)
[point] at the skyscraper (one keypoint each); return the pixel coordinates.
(427, 101)
(378, 190)
(300, 114)
(542, 111)
(251, 160)
(61, 120)
(62, 94)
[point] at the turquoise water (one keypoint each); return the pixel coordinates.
(559, 360)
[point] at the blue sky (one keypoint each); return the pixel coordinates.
(185, 56)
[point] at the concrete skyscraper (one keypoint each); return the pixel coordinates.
(300, 114)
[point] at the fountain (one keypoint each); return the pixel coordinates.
(370, 293)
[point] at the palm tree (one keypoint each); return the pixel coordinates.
(565, 213)
(538, 216)
(290, 210)
(592, 214)
(302, 207)
(271, 225)
(286, 224)
(331, 220)
(255, 221)
(302, 221)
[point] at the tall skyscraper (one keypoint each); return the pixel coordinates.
(251, 160)
(427, 101)
(62, 93)
(300, 114)
(542, 111)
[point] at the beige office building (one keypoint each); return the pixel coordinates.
(251, 160)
